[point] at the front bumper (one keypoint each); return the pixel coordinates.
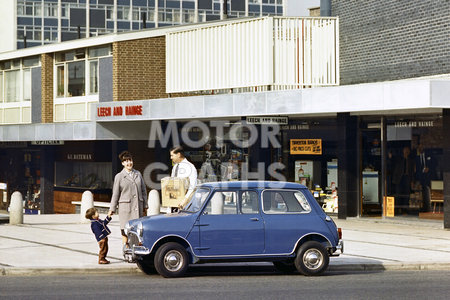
(135, 248)
(339, 248)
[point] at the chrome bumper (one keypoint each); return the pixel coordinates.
(340, 247)
(137, 251)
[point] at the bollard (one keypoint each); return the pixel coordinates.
(87, 201)
(153, 203)
(16, 209)
(217, 204)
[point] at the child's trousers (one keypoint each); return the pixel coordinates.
(103, 244)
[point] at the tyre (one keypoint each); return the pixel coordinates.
(171, 260)
(146, 265)
(312, 259)
(285, 266)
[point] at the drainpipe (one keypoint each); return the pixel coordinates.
(325, 8)
(225, 9)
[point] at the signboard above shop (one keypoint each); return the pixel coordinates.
(268, 120)
(306, 146)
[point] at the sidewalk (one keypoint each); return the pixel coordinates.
(59, 244)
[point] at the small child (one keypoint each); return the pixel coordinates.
(101, 232)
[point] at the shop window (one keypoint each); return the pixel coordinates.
(1, 87)
(85, 175)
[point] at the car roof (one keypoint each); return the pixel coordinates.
(253, 185)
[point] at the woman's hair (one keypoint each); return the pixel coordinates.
(125, 155)
(90, 213)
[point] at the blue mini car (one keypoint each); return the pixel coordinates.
(272, 221)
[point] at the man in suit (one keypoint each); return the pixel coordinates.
(403, 177)
(424, 163)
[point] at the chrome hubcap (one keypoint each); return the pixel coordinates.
(312, 258)
(173, 260)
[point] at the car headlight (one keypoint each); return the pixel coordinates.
(127, 228)
(140, 229)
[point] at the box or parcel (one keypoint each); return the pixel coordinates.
(173, 190)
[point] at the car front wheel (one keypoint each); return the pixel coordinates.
(171, 260)
(312, 258)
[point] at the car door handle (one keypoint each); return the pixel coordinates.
(254, 219)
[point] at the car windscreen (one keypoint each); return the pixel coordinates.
(196, 200)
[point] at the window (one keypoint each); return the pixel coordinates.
(222, 203)
(198, 197)
(1, 87)
(27, 84)
(248, 202)
(12, 86)
(74, 68)
(60, 81)
(15, 79)
(279, 202)
(51, 9)
(76, 78)
(93, 77)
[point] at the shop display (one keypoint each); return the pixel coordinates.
(85, 175)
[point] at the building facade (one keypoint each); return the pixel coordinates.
(28, 23)
(274, 109)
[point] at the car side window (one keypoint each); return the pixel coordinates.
(279, 202)
(222, 203)
(248, 202)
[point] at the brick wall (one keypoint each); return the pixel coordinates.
(139, 69)
(387, 40)
(47, 87)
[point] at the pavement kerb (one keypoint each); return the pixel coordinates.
(6, 271)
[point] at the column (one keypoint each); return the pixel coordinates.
(47, 179)
(347, 147)
(446, 166)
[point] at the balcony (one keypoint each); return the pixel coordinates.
(263, 54)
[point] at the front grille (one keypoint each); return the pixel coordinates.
(133, 239)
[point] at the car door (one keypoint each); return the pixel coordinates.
(287, 216)
(231, 225)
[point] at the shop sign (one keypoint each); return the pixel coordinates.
(389, 204)
(47, 143)
(268, 120)
(306, 146)
(119, 110)
(403, 124)
(13, 144)
(73, 156)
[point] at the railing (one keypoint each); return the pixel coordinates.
(271, 53)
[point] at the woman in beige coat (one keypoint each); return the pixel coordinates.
(129, 193)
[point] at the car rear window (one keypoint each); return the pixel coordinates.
(279, 202)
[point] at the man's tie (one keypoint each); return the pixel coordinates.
(176, 170)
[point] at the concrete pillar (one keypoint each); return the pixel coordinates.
(154, 204)
(16, 209)
(87, 201)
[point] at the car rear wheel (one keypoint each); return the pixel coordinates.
(285, 266)
(312, 258)
(171, 260)
(146, 265)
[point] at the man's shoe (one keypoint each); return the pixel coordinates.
(103, 262)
